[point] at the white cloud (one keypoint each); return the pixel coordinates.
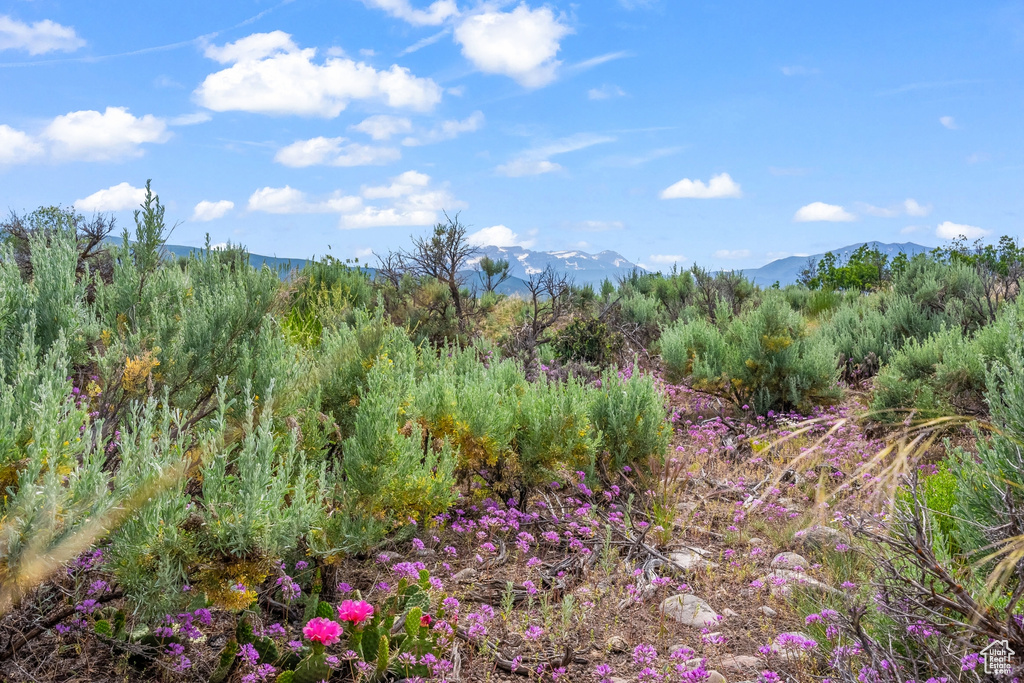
(497, 236)
(908, 207)
(424, 42)
(271, 75)
(334, 152)
(447, 130)
(537, 160)
(732, 253)
(17, 147)
(910, 229)
(190, 119)
(116, 198)
(412, 202)
(948, 122)
(914, 209)
(605, 92)
(288, 200)
(92, 136)
(518, 168)
(521, 44)
(948, 230)
(37, 38)
(435, 14)
(667, 258)
(383, 127)
(401, 185)
(375, 217)
(208, 211)
(820, 211)
(720, 186)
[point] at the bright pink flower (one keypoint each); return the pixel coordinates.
(356, 611)
(425, 620)
(323, 631)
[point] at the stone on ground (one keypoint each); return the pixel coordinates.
(689, 610)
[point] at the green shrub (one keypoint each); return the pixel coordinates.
(860, 331)
(765, 359)
(990, 483)
(555, 437)
(392, 473)
(628, 412)
(588, 340)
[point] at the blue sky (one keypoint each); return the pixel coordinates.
(722, 133)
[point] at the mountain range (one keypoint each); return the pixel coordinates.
(592, 269)
(786, 271)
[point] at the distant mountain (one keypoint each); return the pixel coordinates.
(785, 271)
(583, 267)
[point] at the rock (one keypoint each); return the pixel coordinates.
(790, 561)
(729, 614)
(689, 610)
(819, 538)
(691, 559)
(715, 677)
(767, 611)
(740, 663)
(756, 541)
(426, 552)
(616, 679)
(616, 644)
(790, 505)
(793, 646)
(389, 556)
(467, 575)
(782, 581)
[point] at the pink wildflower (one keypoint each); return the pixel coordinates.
(323, 631)
(356, 611)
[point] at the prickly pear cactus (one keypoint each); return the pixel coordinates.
(286, 677)
(226, 663)
(312, 669)
(324, 609)
(383, 656)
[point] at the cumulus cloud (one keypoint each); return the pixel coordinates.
(732, 253)
(116, 198)
(820, 211)
(605, 92)
(17, 147)
(288, 200)
(323, 151)
(37, 38)
(383, 126)
(498, 236)
(447, 130)
(720, 186)
(521, 44)
(92, 136)
(912, 208)
(270, 74)
(436, 13)
(208, 211)
(668, 259)
(409, 199)
(948, 230)
(536, 161)
(948, 122)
